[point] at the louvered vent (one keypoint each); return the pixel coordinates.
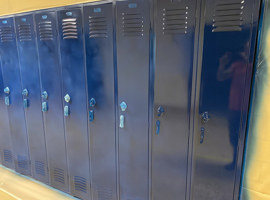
(175, 21)
(40, 168)
(45, 30)
(69, 28)
(23, 163)
(6, 34)
(132, 24)
(105, 193)
(80, 184)
(25, 32)
(58, 175)
(98, 27)
(7, 155)
(228, 16)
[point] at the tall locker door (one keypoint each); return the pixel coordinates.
(227, 61)
(132, 29)
(75, 100)
(174, 35)
(13, 97)
(28, 59)
(101, 104)
(52, 107)
(6, 150)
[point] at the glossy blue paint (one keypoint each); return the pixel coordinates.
(28, 59)
(12, 79)
(99, 46)
(224, 92)
(133, 58)
(52, 105)
(174, 23)
(6, 149)
(75, 104)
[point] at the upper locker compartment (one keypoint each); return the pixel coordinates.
(133, 57)
(174, 26)
(29, 66)
(99, 44)
(51, 96)
(75, 100)
(227, 63)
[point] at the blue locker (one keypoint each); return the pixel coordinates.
(28, 59)
(51, 95)
(13, 98)
(6, 150)
(75, 100)
(99, 44)
(132, 37)
(174, 24)
(229, 36)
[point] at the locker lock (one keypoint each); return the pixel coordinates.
(7, 90)
(92, 102)
(160, 110)
(205, 117)
(67, 98)
(123, 106)
(44, 95)
(25, 92)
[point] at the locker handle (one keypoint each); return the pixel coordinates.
(25, 103)
(122, 121)
(157, 127)
(202, 135)
(44, 107)
(66, 111)
(7, 100)
(91, 115)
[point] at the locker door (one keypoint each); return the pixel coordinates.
(227, 61)
(174, 33)
(6, 150)
(28, 59)
(52, 107)
(101, 105)
(75, 102)
(12, 85)
(132, 29)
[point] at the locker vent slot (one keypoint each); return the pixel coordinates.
(6, 34)
(70, 28)
(25, 32)
(98, 27)
(105, 193)
(45, 30)
(228, 16)
(23, 163)
(58, 175)
(80, 184)
(40, 168)
(7, 155)
(132, 24)
(174, 21)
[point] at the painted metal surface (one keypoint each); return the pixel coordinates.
(174, 52)
(224, 92)
(99, 45)
(52, 106)
(6, 150)
(28, 59)
(12, 80)
(75, 100)
(132, 36)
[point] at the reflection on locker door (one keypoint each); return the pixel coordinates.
(13, 98)
(51, 95)
(28, 59)
(174, 33)
(132, 29)
(75, 106)
(228, 51)
(100, 80)
(6, 150)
